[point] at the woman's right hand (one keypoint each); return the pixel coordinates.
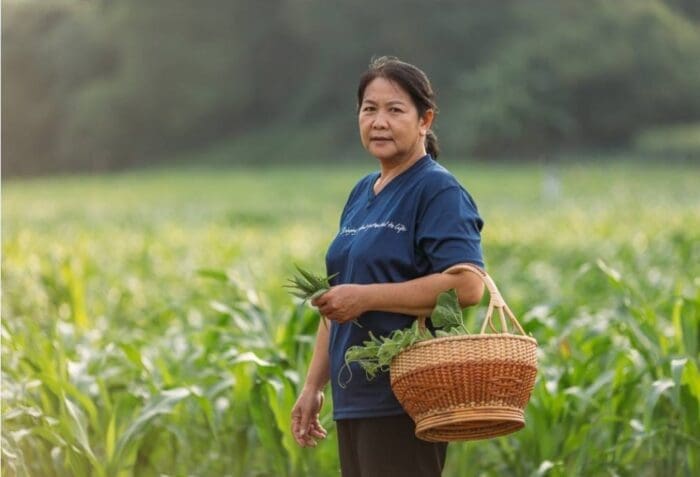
(306, 428)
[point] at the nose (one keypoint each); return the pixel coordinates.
(379, 121)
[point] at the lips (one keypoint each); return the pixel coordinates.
(380, 139)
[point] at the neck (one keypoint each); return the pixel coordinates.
(390, 168)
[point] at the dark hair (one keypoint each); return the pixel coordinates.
(413, 80)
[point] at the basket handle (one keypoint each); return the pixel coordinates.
(496, 301)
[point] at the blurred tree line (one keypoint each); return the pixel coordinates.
(107, 84)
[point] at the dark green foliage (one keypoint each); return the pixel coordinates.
(109, 85)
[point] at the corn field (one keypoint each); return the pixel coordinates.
(146, 332)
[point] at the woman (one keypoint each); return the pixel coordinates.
(400, 228)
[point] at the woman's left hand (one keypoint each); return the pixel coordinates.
(342, 303)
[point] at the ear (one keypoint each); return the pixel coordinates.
(426, 121)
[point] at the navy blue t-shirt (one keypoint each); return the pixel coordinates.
(422, 222)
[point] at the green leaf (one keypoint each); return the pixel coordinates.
(447, 312)
(318, 293)
(161, 404)
(110, 438)
(677, 368)
(212, 273)
(267, 429)
(208, 410)
(659, 387)
(77, 424)
(250, 357)
(315, 281)
(78, 429)
(612, 274)
(308, 285)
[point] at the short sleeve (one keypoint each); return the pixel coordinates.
(448, 230)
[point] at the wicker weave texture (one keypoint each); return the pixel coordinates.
(469, 424)
(466, 387)
(465, 349)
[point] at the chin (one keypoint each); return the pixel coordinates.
(382, 153)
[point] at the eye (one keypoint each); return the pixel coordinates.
(394, 109)
(367, 109)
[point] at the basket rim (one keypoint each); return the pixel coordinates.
(480, 336)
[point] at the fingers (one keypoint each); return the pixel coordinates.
(325, 307)
(302, 430)
(306, 427)
(311, 438)
(329, 312)
(318, 431)
(310, 435)
(315, 433)
(320, 300)
(304, 424)
(341, 303)
(296, 426)
(329, 309)
(305, 439)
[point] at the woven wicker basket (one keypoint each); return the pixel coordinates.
(471, 386)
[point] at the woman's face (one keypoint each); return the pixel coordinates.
(390, 128)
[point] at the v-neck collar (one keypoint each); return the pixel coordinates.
(414, 167)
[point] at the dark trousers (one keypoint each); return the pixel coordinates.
(387, 447)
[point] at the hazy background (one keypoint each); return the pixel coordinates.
(145, 327)
(98, 85)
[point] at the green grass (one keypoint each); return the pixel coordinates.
(146, 330)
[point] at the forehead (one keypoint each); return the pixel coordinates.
(383, 90)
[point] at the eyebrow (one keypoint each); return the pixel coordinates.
(393, 101)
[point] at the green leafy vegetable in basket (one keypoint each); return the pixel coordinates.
(447, 313)
(376, 354)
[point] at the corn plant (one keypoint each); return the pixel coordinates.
(146, 330)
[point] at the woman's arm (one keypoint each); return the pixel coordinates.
(319, 371)
(414, 297)
(306, 427)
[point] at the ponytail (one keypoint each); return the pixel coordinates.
(431, 144)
